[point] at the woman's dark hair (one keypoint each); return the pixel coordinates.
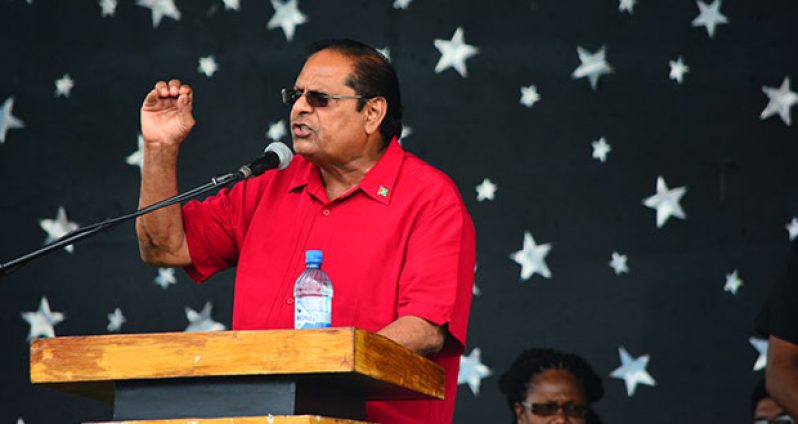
(373, 76)
(758, 394)
(515, 382)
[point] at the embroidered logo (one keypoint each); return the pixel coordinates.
(383, 191)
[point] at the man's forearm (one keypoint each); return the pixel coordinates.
(416, 334)
(782, 374)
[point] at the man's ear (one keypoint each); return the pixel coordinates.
(375, 111)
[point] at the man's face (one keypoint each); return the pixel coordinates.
(555, 393)
(334, 134)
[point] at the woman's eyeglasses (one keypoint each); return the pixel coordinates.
(314, 98)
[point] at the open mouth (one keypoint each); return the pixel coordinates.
(301, 130)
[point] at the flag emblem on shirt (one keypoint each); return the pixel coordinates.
(383, 191)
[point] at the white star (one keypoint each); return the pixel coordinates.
(115, 320)
(792, 228)
(780, 100)
(276, 131)
(20, 420)
(202, 321)
(529, 95)
(475, 290)
(7, 120)
(678, 69)
(208, 66)
(633, 371)
(472, 370)
(454, 53)
(600, 149)
(627, 5)
(709, 16)
(532, 258)
(386, 52)
(166, 277)
(58, 227)
(733, 282)
(401, 4)
(286, 16)
(618, 263)
(761, 346)
(232, 4)
(486, 190)
(666, 202)
(137, 158)
(406, 132)
(160, 8)
(63, 86)
(108, 7)
(42, 321)
(593, 65)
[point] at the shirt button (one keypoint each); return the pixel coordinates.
(290, 300)
(325, 212)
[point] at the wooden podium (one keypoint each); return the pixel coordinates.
(242, 377)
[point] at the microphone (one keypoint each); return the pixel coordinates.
(276, 155)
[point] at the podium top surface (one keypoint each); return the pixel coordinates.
(351, 351)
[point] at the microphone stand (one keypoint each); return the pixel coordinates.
(90, 230)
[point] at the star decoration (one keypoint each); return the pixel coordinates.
(600, 149)
(792, 228)
(385, 52)
(202, 321)
(678, 69)
(472, 370)
(42, 321)
(7, 120)
(486, 190)
(286, 16)
(165, 278)
(709, 16)
(58, 227)
(406, 132)
(108, 7)
(401, 4)
(115, 320)
(666, 202)
(780, 100)
(627, 6)
(20, 420)
(532, 258)
(160, 8)
(733, 282)
(63, 86)
(475, 290)
(208, 66)
(529, 95)
(593, 65)
(276, 131)
(137, 158)
(454, 53)
(232, 4)
(633, 371)
(618, 263)
(761, 346)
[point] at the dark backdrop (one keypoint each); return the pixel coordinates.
(705, 134)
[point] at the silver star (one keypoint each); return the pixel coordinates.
(386, 52)
(58, 227)
(532, 258)
(137, 158)
(42, 321)
(208, 66)
(7, 120)
(486, 190)
(733, 282)
(276, 131)
(63, 86)
(286, 16)
(593, 66)
(406, 132)
(108, 7)
(529, 95)
(761, 346)
(780, 100)
(633, 371)
(160, 8)
(401, 4)
(166, 277)
(792, 228)
(627, 5)
(454, 53)
(115, 320)
(202, 321)
(618, 263)
(475, 290)
(666, 202)
(709, 16)
(20, 420)
(472, 370)
(678, 69)
(231, 4)
(600, 149)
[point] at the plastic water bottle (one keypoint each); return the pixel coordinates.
(313, 293)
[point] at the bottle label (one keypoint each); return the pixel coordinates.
(312, 312)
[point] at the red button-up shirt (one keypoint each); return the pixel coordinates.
(399, 243)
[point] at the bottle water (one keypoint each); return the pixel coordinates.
(313, 294)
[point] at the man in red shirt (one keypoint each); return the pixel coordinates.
(398, 243)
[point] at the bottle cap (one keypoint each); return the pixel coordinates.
(313, 257)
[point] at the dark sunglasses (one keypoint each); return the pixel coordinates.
(548, 409)
(781, 419)
(314, 98)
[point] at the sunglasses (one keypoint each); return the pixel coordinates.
(314, 98)
(548, 409)
(781, 419)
